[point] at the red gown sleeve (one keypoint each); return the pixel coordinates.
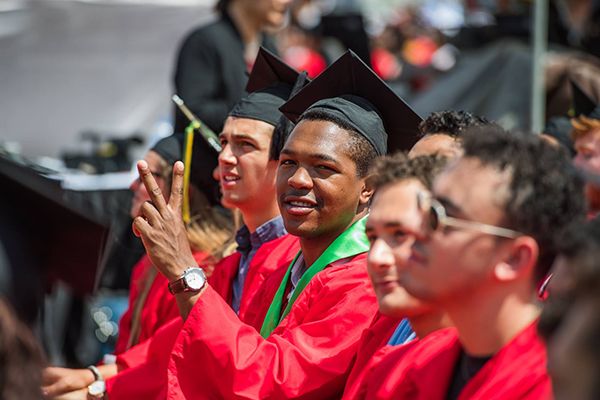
(310, 354)
(371, 349)
(125, 322)
(160, 308)
(146, 379)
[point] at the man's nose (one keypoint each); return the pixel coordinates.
(226, 156)
(301, 179)
(380, 256)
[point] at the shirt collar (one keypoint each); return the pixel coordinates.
(268, 231)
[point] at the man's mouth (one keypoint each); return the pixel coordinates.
(299, 206)
(229, 180)
(386, 285)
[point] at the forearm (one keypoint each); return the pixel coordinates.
(187, 300)
(109, 370)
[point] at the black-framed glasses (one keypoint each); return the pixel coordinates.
(438, 218)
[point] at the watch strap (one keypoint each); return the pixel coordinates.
(96, 372)
(178, 286)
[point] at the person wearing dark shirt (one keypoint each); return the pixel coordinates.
(214, 60)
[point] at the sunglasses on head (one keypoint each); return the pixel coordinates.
(437, 218)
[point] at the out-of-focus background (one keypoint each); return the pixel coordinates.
(85, 90)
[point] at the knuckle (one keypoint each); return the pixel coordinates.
(157, 191)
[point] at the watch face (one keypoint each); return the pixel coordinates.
(195, 278)
(97, 388)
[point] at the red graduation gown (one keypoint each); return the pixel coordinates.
(146, 364)
(516, 372)
(159, 307)
(371, 349)
(309, 355)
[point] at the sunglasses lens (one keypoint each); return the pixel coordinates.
(434, 221)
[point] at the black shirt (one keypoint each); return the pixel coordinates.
(211, 73)
(465, 369)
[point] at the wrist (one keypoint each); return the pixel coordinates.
(176, 270)
(96, 374)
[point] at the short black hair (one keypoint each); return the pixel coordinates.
(358, 147)
(451, 123)
(399, 167)
(546, 194)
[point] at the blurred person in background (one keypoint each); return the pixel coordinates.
(210, 233)
(214, 60)
(586, 139)
(570, 322)
(20, 358)
(440, 133)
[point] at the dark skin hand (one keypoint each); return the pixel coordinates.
(161, 228)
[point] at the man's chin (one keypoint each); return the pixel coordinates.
(299, 228)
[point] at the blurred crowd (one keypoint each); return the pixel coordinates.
(323, 239)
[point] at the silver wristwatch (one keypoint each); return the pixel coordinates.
(98, 388)
(193, 279)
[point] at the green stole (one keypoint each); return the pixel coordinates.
(350, 243)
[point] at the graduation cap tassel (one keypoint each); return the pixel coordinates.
(187, 161)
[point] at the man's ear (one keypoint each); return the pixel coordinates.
(367, 191)
(520, 261)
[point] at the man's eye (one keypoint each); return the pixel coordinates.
(248, 144)
(399, 234)
(372, 238)
(223, 142)
(286, 162)
(325, 168)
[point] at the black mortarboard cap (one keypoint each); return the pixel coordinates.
(270, 85)
(350, 90)
(170, 148)
(203, 162)
(559, 128)
(583, 104)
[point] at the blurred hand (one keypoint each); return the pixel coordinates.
(81, 394)
(160, 226)
(57, 381)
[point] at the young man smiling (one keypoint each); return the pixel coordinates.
(492, 222)
(394, 218)
(323, 302)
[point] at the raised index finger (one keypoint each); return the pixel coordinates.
(156, 195)
(176, 197)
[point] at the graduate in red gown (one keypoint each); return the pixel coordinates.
(251, 141)
(324, 302)
(150, 304)
(393, 215)
(488, 241)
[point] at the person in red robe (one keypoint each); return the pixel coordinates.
(393, 215)
(247, 167)
(324, 302)
(490, 238)
(150, 304)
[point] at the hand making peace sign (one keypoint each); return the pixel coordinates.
(160, 226)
